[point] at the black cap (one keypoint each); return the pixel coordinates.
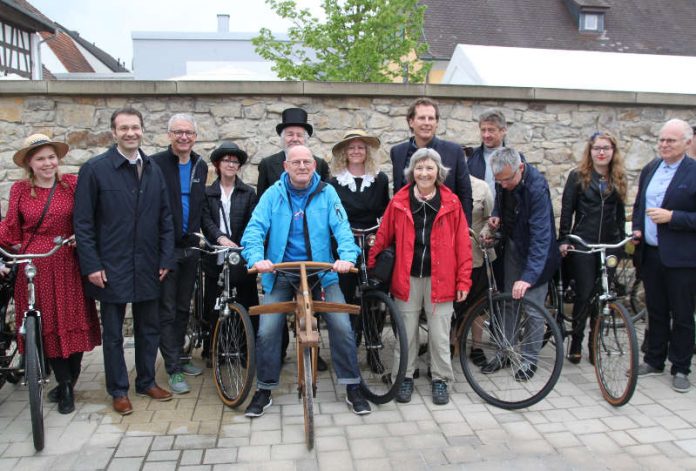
(229, 148)
(295, 117)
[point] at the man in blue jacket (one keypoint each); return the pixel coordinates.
(185, 173)
(125, 243)
(524, 214)
(298, 215)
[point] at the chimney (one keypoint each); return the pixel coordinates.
(223, 23)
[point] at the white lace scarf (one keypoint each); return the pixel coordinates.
(347, 179)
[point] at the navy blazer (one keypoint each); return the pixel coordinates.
(452, 157)
(677, 239)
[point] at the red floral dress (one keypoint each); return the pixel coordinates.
(69, 320)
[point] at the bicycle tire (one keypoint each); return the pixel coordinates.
(193, 338)
(34, 379)
(501, 388)
(616, 355)
(308, 397)
(382, 353)
(233, 354)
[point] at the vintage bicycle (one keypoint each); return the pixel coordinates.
(34, 366)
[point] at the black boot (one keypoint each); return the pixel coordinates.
(66, 401)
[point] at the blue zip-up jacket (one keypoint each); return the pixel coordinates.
(271, 220)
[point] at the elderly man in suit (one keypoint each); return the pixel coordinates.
(423, 117)
(664, 221)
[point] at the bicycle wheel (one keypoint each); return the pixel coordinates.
(382, 354)
(616, 355)
(308, 397)
(512, 332)
(34, 379)
(193, 338)
(233, 356)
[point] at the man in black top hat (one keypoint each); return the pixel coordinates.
(293, 131)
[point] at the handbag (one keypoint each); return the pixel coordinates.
(384, 265)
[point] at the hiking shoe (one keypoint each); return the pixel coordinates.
(497, 363)
(680, 383)
(189, 369)
(405, 391)
(259, 403)
(440, 394)
(647, 370)
(356, 401)
(526, 372)
(178, 384)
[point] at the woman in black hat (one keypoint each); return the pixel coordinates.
(230, 204)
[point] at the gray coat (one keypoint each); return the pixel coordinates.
(123, 226)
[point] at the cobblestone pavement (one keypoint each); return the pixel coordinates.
(573, 428)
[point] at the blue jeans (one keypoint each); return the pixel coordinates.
(269, 338)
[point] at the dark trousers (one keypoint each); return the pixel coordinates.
(583, 269)
(67, 369)
(146, 329)
(669, 296)
(175, 304)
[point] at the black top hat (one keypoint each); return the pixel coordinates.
(294, 117)
(229, 148)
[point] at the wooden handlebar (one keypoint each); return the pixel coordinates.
(297, 265)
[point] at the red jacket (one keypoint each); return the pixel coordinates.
(450, 246)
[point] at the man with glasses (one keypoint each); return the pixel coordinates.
(298, 216)
(524, 214)
(185, 174)
(664, 221)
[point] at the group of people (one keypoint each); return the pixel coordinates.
(134, 217)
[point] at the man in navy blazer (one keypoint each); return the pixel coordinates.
(423, 117)
(664, 219)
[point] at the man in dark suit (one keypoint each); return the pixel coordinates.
(293, 131)
(493, 127)
(664, 220)
(423, 117)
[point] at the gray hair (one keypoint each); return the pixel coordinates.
(282, 138)
(182, 117)
(426, 154)
(686, 128)
(495, 116)
(504, 157)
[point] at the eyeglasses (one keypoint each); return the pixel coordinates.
(500, 181)
(299, 163)
(232, 163)
(604, 149)
(179, 133)
(669, 142)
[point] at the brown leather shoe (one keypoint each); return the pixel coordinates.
(122, 405)
(157, 393)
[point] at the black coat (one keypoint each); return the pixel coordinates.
(452, 157)
(123, 226)
(169, 164)
(242, 204)
(271, 167)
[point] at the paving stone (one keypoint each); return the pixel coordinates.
(220, 455)
(125, 464)
(191, 457)
(163, 455)
(160, 466)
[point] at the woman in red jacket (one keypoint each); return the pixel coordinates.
(426, 223)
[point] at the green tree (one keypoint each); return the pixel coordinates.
(358, 41)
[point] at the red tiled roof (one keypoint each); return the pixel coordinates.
(67, 52)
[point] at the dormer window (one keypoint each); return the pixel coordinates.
(589, 14)
(592, 22)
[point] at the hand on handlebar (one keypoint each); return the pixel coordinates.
(225, 242)
(637, 237)
(564, 248)
(342, 266)
(263, 266)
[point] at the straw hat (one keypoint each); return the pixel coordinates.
(371, 141)
(38, 140)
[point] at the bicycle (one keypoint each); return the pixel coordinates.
(380, 332)
(307, 333)
(233, 342)
(614, 351)
(35, 366)
(517, 332)
(197, 329)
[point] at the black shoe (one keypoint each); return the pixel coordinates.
(477, 357)
(575, 353)
(525, 373)
(356, 401)
(321, 364)
(66, 400)
(440, 394)
(497, 363)
(405, 391)
(53, 395)
(259, 403)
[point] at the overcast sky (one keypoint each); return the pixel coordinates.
(109, 24)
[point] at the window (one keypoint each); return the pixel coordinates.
(590, 22)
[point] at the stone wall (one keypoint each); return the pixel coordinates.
(549, 126)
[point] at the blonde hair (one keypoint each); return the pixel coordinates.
(30, 173)
(616, 178)
(340, 164)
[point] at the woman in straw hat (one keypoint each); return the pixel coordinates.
(69, 320)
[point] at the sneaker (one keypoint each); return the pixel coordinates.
(680, 383)
(178, 384)
(259, 403)
(405, 391)
(477, 357)
(189, 369)
(356, 401)
(497, 363)
(440, 394)
(526, 372)
(647, 370)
